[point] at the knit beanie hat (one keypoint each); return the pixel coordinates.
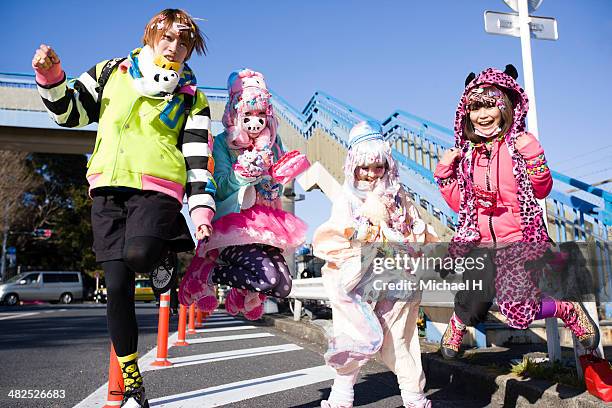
(367, 146)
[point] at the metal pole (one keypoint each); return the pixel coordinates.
(552, 330)
(532, 116)
(288, 204)
(4, 239)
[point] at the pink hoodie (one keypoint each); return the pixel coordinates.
(506, 220)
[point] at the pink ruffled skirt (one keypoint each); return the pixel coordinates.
(259, 224)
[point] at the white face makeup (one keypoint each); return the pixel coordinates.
(254, 122)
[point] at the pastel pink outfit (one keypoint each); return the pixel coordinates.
(261, 222)
(364, 326)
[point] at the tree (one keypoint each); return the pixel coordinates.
(16, 181)
(58, 201)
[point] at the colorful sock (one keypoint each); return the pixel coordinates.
(460, 325)
(548, 308)
(131, 374)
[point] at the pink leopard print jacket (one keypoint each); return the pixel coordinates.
(505, 219)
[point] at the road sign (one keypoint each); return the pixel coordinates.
(541, 28)
(11, 251)
(531, 4)
(43, 233)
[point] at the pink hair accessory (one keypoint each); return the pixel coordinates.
(490, 97)
(247, 78)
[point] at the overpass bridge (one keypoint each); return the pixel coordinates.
(321, 131)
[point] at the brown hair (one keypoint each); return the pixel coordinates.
(506, 120)
(194, 37)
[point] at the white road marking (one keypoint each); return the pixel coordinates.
(229, 338)
(242, 390)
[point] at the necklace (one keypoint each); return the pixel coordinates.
(488, 143)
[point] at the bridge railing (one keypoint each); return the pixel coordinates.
(418, 144)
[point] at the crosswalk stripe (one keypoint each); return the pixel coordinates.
(207, 324)
(225, 355)
(229, 328)
(16, 315)
(230, 337)
(242, 390)
(220, 319)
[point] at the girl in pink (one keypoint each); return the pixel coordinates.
(493, 178)
(251, 232)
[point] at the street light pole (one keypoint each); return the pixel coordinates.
(552, 331)
(5, 228)
(532, 116)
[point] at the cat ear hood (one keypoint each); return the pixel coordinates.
(504, 81)
(532, 221)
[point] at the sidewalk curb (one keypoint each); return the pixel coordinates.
(479, 381)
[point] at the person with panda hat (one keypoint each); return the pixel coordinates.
(252, 233)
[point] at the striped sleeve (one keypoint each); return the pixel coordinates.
(73, 104)
(197, 149)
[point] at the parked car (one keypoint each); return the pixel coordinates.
(52, 286)
(144, 290)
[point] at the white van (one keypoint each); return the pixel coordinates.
(52, 286)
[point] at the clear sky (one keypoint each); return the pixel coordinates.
(377, 56)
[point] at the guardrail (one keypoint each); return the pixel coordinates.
(418, 144)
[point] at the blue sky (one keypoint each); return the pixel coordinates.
(377, 56)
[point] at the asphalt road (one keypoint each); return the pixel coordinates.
(230, 363)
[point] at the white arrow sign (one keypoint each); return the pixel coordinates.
(542, 28)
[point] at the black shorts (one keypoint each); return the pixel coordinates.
(118, 215)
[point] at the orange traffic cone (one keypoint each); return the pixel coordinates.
(199, 318)
(114, 395)
(162, 331)
(181, 327)
(192, 329)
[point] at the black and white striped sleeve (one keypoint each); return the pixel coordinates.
(197, 149)
(75, 104)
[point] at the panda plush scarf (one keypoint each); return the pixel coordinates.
(149, 79)
(153, 81)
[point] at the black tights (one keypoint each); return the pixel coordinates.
(140, 254)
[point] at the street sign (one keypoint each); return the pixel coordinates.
(43, 233)
(541, 28)
(11, 251)
(531, 4)
(11, 259)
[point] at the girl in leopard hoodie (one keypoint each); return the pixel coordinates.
(493, 178)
